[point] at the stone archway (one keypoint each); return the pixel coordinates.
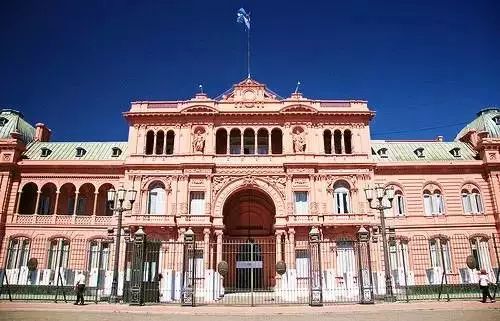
(249, 212)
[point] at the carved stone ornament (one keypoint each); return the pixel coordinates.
(280, 267)
(199, 140)
(249, 181)
(299, 140)
(222, 268)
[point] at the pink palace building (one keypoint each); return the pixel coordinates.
(249, 166)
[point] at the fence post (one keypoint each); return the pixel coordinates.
(315, 277)
(136, 288)
(189, 286)
(498, 266)
(405, 272)
(444, 278)
(364, 263)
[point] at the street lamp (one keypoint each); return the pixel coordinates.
(380, 193)
(115, 203)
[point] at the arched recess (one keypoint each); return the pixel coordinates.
(170, 139)
(262, 141)
(276, 141)
(246, 183)
(150, 136)
(235, 141)
(221, 141)
(249, 212)
(47, 199)
(160, 139)
(249, 141)
(66, 203)
(86, 196)
(102, 208)
(27, 202)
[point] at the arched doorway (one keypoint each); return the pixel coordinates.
(249, 245)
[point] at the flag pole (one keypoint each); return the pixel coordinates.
(248, 53)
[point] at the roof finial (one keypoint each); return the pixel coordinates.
(297, 88)
(201, 88)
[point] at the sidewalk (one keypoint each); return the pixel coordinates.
(243, 310)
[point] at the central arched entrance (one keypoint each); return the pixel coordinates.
(249, 243)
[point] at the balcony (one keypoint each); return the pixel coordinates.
(150, 219)
(303, 219)
(348, 219)
(80, 220)
(422, 220)
(193, 220)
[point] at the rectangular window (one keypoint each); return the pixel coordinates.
(80, 207)
(153, 200)
(399, 205)
(466, 203)
(393, 256)
(197, 203)
(440, 253)
(58, 254)
(478, 202)
(302, 263)
(346, 259)
(427, 204)
(301, 203)
(98, 256)
(71, 206)
(18, 253)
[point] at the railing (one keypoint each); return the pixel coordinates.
(450, 219)
(347, 218)
(191, 218)
(38, 219)
(150, 219)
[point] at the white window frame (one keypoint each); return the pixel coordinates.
(481, 252)
(399, 204)
(18, 253)
(58, 254)
(98, 255)
(433, 203)
(341, 200)
(301, 207)
(157, 198)
(197, 203)
(435, 249)
(302, 262)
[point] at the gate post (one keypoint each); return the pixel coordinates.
(188, 275)
(315, 277)
(136, 288)
(365, 268)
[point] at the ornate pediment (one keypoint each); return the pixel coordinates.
(298, 108)
(249, 94)
(199, 109)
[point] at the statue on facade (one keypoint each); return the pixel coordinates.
(299, 140)
(198, 141)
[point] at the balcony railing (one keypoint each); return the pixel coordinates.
(55, 219)
(347, 218)
(193, 219)
(150, 219)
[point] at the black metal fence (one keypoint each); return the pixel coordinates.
(254, 271)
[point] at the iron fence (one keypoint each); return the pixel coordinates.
(244, 271)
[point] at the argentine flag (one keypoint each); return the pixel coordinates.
(243, 17)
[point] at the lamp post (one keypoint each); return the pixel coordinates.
(380, 193)
(115, 203)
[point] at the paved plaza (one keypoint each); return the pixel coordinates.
(442, 311)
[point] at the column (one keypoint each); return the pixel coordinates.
(291, 236)
(180, 250)
(219, 234)
(154, 144)
(96, 194)
(342, 147)
(206, 248)
(228, 144)
(37, 201)
(241, 141)
(144, 200)
(278, 246)
(76, 203)
(177, 139)
(19, 194)
(269, 144)
(58, 193)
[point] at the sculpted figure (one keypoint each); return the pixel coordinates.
(299, 141)
(198, 141)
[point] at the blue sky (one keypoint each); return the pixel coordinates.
(77, 65)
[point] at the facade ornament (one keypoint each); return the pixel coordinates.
(299, 140)
(249, 181)
(199, 140)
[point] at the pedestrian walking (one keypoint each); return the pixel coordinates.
(79, 287)
(484, 285)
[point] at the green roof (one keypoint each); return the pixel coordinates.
(102, 151)
(405, 151)
(13, 121)
(484, 122)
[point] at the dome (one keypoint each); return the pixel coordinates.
(487, 120)
(13, 121)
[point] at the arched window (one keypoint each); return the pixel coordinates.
(348, 141)
(221, 141)
(18, 253)
(440, 248)
(58, 255)
(150, 137)
(160, 138)
(156, 199)
(327, 141)
(433, 202)
(472, 202)
(262, 141)
(235, 141)
(341, 198)
(169, 149)
(398, 204)
(276, 141)
(248, 141)
(481, 252)
(337, 141)
(98, 255)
